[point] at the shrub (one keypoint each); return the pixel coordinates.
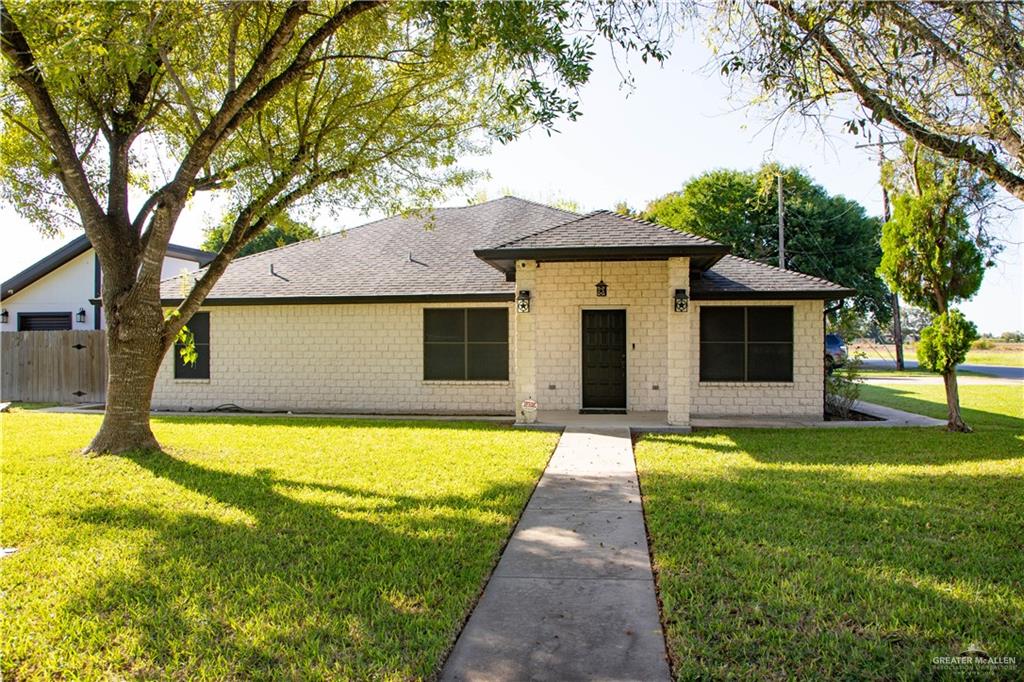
(944, 344)
(842, 388)
(983, 344)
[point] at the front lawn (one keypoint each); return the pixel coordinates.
(255, 548)
(853, 553)
(997, 356)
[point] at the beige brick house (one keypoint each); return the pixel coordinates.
(475, 310)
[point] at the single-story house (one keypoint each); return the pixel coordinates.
(61, 291)
(474, 310)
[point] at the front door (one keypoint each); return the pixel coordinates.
(604, 360)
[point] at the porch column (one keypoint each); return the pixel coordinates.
(680, 341)
(525, 341)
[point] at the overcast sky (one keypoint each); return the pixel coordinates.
(637, 144)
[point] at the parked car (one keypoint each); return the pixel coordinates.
(835, 352)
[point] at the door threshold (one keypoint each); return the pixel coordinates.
(601, 410)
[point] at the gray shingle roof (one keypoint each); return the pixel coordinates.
(435, 254)
(604, 229)
(735, 277)
(430, 254)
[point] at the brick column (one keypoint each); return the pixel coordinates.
(525, 342)
(680, 345)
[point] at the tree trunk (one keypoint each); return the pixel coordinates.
(135, 347)
(955, 421)
(897, 332)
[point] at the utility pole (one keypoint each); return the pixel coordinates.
(782, 226)
(897, 323)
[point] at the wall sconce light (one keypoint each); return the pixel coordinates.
(681, 301)
(602, 288)
(5, 316)
(523, 301)
(80, 315)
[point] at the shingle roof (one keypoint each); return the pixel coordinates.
(605, 229)
(435, 255)
(735, 277)
(416, 255)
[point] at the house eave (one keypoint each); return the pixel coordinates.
(800, 294)
(485, 297)
(504, 259)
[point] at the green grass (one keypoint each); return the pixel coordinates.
(984, 406)
(852, 554)
(255, 548)
(883, 373)
(1013, 358)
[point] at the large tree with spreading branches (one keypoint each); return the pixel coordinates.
(948, 75)
(826, 236)
(115, 115)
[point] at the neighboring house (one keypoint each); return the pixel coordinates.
(58, 291)
(474, 310)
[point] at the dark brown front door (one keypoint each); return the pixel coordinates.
(604, 360)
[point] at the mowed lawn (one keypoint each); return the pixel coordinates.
(853, 553)
(254, 548)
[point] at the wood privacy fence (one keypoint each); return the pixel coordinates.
(55, 366)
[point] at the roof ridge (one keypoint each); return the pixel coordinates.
(795, 273)
(400, 215)
(546, 229)
(666, 228)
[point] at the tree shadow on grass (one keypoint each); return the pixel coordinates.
(769, 572)
(914, 446)
(904, 399)
(294, 587)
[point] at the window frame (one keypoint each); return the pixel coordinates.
(65, 316)
(183, 372)
(746, 344)
(466, 344)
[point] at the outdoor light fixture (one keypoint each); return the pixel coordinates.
(681, 301)
(602, 288)
(4, 316)
(523, 301)
(80, 315)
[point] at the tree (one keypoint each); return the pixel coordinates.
(826, 236)
(943, 346)
(116, 114)
(935, 251)
(948, 75)
(282, 230)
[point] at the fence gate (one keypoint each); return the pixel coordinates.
(54, 366)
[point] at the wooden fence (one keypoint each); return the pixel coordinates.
(57, 366)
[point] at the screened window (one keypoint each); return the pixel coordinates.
(746, 343)
(465, 344)
(43, 322)
(199, 325)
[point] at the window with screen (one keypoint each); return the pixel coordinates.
(740, 343)
(199, 325)
(465, 344)
(43, 322)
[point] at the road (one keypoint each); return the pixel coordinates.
(1002, 372)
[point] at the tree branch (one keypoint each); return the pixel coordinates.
(28, 77)
(884, 109)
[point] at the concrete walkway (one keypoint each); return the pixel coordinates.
(572, 597)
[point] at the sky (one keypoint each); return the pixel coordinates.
(637, 143)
